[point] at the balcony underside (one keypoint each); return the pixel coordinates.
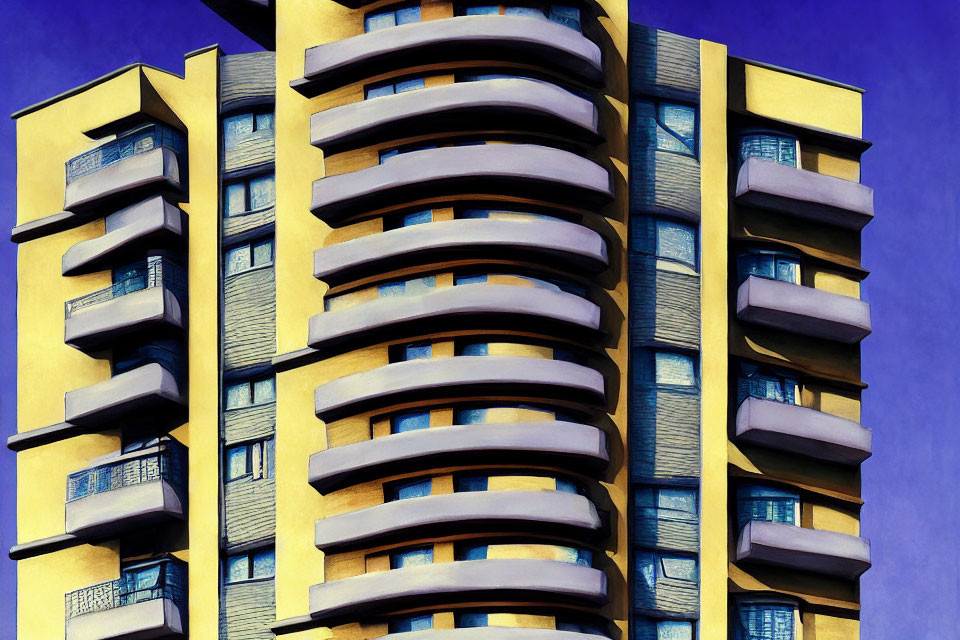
(813, 550)
(149, 393)
(463, 376)
(472, 306)
(507, 170)
(803, 431)
(123, 509)
(804, 194)
(132, 178)
(518, 104)
(151, 223)
(159, 618)
(582, 448)
(803, 310)
(140, 312)
(459, 39)
(546, 581)
(565, 245)
(470, 512)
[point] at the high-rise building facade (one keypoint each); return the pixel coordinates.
(442, 321)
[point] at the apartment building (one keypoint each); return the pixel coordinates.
(442, 321)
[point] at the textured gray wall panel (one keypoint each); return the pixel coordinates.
(247, 610)
(657, 529)
(250, 324)
(255, 149)
(664, 64)
(250, 509)
(665, 434)
(669, 595)
(247, 76)
(249, 423)
(235, 225)
(668, 308)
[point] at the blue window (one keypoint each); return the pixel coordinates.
(768, 264)
(770, 146)
(470, 483)
(253, 565)
(667, 504)
(250, 458)
(407, 490)
(765, 621)
(467, 620)
(530, 12)
(390, 18)
(419, 351)
(238, 127)
(484, 10)
(474, 349)
(653, 567)
(582, 557)
(420, 217)
(766, 384)
(677, 128)
(412, 623)
(674, 630)
(471, 552)
(474, 279)
(566, 15)
(488, 76)
(411, 558)
(248, 256)
(410, 422)
(674, 369)
(469, 416)
(566, 486)
(767, 504)
(249, 195)
(677, 243)
(391, 289)
(391, 88)
(251, 392)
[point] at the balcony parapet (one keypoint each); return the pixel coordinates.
(150, 390)
(814, 550)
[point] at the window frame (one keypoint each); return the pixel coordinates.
(251, 384)
(658, 118)
(694, 267)
(267, 455)
(251, 560)
(673, 385)
(768, 132)
(246, 183)
(394, 9)
(251, 248)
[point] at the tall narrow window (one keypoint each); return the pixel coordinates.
(251, 392)
(677, 243)
(677, 128)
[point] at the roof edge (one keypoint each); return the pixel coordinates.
(799, 74)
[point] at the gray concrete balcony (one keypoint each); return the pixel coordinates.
(813, 550)
(505, 377)
(519, 170)
(524, 580)
(462, 38)
(148, 390)
(153, 222)
(554, 443)
(128, 491)
(470, 306)
(118, 610)
(148, 301)
(803, 431)
(484, 633)
(460, 513)
(158, 169)
(803, 310)
(562, 244)
(514, 104)
(804, 194)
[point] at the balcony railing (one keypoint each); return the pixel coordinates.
(166, 464)
(154, 272)
(141, 140)
(168, 581)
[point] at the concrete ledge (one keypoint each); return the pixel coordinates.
(461, 513)
(449, 582)
(43, 545)
(153, 220)
(500, 104)
(45, 226)
(817, 551)
(803, 310)
(521, 170)
(568, 245)
(149, 390)
(123, 509)
(474, 306)
(158, 168)
(803, 431)
(100, 325)
(804, 194)
(565, 444)
(462, 376)
(489, 633)
(159, 618)
(500, 38)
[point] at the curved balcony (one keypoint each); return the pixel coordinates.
(505, 377)
(462, 38)
(484, 633)
(149, 390)
(803, 431)
(129, 491)
(450, 582)
(814, 550)
(804, 310)
(520, 170)
(486, 306)
(564, 244)
(461, 513)
(153, 222)
(500, 104)
(804, 194)
(564, 444)
(156, 169)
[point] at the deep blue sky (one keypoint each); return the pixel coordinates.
(904, 53)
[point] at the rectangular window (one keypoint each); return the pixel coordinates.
(391, 289)
(771, 147)
(677, 243)
(411, 558)
(469, 620)
(251, 392)
(765, 621)
(566, 486)
(472, 279)
(667, 504)
(530, 12)
(469, 416)
(767, 504)
(473, 349)
(484, 10)
(653, 567)
(391, 88)
(248, 256)
(410, 422)
(412, 623)
(471, 551)
(677, 128)
(470, 483)
(253, 459)
(674, 369)
(407, 490)
(250, 195)
(767, 384)
(253, 565)
(768, 264)
(390, 18)
(674, 630)
(419, 351)
(242, 125)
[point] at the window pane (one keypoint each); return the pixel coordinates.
(420, 286)
(235, 199)
(647, 568)
(766, 504)
(416, 489)
(566, 486)
(408, 15)
(530, 12)
(238, 568)
(238, 395)
(766, 622)
(473, 213)
(678, 500)
(411, 558)
(262, 192)
(674, 368)
(469, 416)
(263, 253)
(681, 123)
(270, 453)
(409, 85)
(468, 620)
(382, 90)
(379, 21)
(486, 10)
(475, 349)
(410, 422)
(264, 391)
(677, 242)
(679, 568)
(769, 146)
(566, 15)
(788, 270)
(674, 630)
(387, 155)
(417, 351)
(235, 127)
(263, 564)
(391, 289)
(264, 121)
(238, 259)
(236, 461)
(470, 483)
(420, 217)
(147, 578)
(471, 552)
(414, 623)
(476, 279)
